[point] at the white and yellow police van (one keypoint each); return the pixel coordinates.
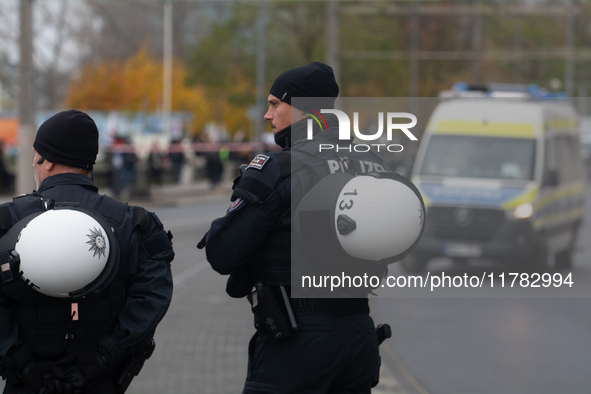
(502, 178)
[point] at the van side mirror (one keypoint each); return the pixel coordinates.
(551, 178)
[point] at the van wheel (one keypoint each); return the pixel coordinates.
(414, 263)
(539, 262)
(564, 260)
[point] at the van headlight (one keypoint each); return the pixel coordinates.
(523, 211)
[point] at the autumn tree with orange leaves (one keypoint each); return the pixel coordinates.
(136, 85)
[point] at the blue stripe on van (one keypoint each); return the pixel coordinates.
(441, 194)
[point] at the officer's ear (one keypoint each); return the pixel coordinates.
(45, 164)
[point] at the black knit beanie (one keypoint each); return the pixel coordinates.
(314, 80)
(69, 138)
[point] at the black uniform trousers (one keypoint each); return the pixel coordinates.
(329, 354)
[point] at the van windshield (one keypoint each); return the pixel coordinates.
(479, 157)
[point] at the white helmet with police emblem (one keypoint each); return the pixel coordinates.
(63, 253)
(373, 217)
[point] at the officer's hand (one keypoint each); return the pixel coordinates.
(60, 384)
(82, 369)
(34, 373)
(239, 285)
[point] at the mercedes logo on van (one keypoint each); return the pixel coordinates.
(463, 217)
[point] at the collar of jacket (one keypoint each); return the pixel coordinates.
(298, 132)
(68, 178)
(283, 137)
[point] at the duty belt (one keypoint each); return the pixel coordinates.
(330, 305)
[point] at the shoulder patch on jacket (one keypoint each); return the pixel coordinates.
(238, 203)
(258, 162)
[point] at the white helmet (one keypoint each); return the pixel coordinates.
(66, 252)
(373, 217)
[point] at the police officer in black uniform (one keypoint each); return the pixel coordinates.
(335, 347)
(53, 350)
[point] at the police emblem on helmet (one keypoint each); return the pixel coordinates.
(97, 242)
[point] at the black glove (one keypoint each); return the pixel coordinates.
(61, 384)
(81, 369)
(34, 373)
(239, 284)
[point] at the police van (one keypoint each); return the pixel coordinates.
(501, 174)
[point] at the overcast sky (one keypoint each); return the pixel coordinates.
(55, 23)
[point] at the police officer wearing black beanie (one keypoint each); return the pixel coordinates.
(83, 345)
(334, 348)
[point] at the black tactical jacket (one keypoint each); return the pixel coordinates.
(122, 316)
(252, 242)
